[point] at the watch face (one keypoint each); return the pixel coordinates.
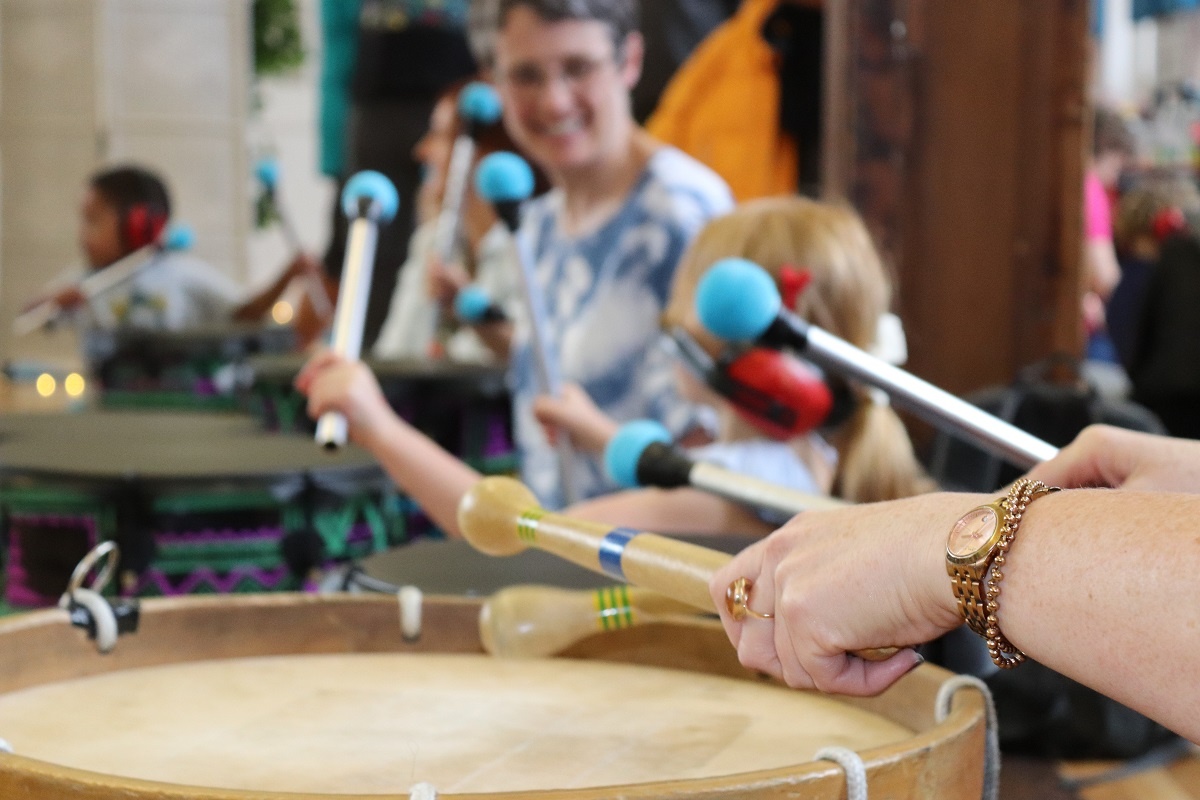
(971, 533)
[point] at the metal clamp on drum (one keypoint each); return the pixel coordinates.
(88, 609)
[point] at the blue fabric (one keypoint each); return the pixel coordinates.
(1098, 7)
(339, 36)
(1157, 8)
(604, 293)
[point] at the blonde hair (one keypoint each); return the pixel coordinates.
(847, 295)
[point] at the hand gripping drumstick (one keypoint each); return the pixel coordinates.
(641, 454)
(177, 237)
(368, 199)
(500, 517)
(539, 621)
(505, 180)
(267, 172)
(737, 301)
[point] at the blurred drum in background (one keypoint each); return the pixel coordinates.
(198, 503)
(200, 368)
(463, 407)
(253, 697)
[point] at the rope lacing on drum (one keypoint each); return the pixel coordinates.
(991, 758)
(410, 598)
(423, 791)
(852, 763)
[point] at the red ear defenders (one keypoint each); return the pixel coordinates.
(781, 395)
(141, 226)
(1167, 223)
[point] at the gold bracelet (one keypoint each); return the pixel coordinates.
(1003, 652)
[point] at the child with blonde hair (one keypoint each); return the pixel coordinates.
(831, 275)
(867, 456)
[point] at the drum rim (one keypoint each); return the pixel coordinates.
(966, 719)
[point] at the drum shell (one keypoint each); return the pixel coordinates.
(942, 760)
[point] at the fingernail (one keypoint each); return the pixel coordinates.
(920, 660)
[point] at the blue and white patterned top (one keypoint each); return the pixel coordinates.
(604, 293)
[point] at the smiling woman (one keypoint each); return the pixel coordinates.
(621, 212)
(567, 83)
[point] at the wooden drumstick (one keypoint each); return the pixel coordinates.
(539, 621)
(641, 453)
(500, 517)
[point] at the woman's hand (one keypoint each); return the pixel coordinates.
(853, 579)
(1104, 456)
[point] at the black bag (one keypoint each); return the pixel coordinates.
(1042, 712)
(1055, 413)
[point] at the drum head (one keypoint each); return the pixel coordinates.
(378, 723)
(267, 696)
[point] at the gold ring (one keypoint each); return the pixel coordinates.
(736, 598)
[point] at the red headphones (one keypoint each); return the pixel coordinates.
(1168, 222)
(141, 226)
(781, 395)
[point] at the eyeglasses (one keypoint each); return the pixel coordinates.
(575, 72)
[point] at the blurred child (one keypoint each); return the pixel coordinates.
(126, 209)
(425, 294)
(838, 283)
(1113, 147)
(866, 457)
(1152, 314)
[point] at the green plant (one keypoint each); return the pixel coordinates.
(278, 47)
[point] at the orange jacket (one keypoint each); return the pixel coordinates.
(722, 108)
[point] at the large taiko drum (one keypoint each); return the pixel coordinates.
(248, 698)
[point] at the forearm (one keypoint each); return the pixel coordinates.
(670, 511)
(1104, 271)
(424, 471)
(256, 307)
(1099, 585)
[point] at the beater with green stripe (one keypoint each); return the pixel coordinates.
(540, 621)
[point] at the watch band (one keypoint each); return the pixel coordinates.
(969, 582)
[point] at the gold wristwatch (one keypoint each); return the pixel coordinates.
(977, 541)
(973, 544)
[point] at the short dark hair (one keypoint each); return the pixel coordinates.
(621, 16)
(129, 186)
(1111, 134)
